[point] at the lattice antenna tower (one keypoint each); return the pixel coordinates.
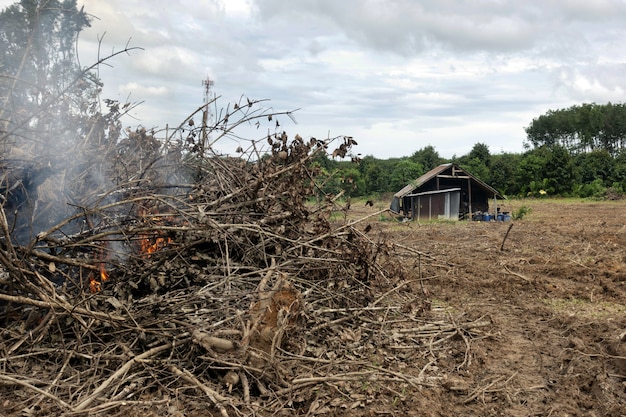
(206, 114)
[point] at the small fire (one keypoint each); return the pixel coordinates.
(103, 273)
(95, 285)
(152, 245)
(148, 245)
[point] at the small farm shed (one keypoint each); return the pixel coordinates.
(445, 192)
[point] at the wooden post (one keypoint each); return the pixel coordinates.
(495, 202)
(469, 196)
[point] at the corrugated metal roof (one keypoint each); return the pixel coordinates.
(448, 190)
(421, 180)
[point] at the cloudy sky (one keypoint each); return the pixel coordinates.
(397, 75)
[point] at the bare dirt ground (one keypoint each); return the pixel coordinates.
(555, 294)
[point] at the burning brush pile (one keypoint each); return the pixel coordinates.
(192, 282)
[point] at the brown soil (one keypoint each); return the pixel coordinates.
(556, 295)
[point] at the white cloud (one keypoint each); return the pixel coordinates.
(236, 8)
(139, 90)
(600, 84)
(397, 75)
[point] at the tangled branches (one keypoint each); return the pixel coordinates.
(211, 276)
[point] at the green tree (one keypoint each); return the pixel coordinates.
(480, 151)
(428, 157)
(323, 161)
(559, 171)
(477, 162)
(404, 172)
(477, 168)
(581, 128)
(550, 169)
(375, 174)
(502, 173)
(619, 174)
(44, 91)
(328, 180)
(595, 165)
(530, 171)
(351, 181)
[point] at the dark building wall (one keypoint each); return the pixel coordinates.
(437, 205)
(431, 206)
(479, 198)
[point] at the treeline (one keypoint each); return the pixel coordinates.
(584, 128)
(575, 152)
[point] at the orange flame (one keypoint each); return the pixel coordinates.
(95, 285)
(152, 245)
(103, 273)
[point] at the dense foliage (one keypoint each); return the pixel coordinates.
(547, 168)
(43, 88)
(585, 128)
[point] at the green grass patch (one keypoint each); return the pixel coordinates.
(586, 308)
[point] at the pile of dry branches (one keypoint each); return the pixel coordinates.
(193, 280)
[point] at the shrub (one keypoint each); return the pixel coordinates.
(595, 190)
(521, 213)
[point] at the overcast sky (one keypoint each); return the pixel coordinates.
(397, 75)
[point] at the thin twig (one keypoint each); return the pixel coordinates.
(121, 371)
(517, 274)
(25, 384)
(217, 400)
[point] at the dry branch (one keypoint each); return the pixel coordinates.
(52, 303)
(22, 382)
(217, 400)
(212, 343)
(517, 275)
(505, 236)
(119, 373)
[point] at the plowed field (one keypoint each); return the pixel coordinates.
(555, 292)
